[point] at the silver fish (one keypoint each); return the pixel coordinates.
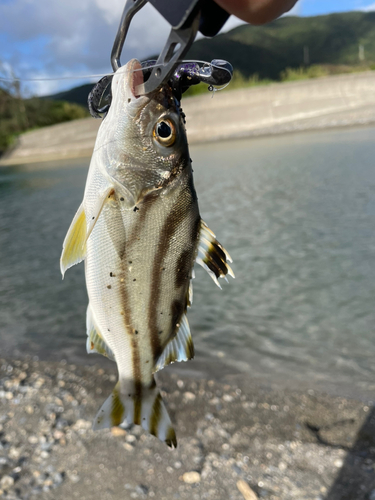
(139, 232)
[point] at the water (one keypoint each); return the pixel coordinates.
(296, 213)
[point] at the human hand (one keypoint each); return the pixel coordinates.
(257, 11)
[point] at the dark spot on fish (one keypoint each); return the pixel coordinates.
(136, 332)
(163, 268)
(108, 329)
(183, 267)
(135, 209)
(161, 313)
(93, 218)
(161, 331)
(109, 286)
(122, 199)
(134, 279)
(147, 361)
(129, 395)
(177, 309)
(112, 275)
(130, 261)
(129, 100)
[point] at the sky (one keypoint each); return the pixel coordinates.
(54, 39)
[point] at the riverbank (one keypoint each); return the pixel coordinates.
(335, 101)
(236, 440)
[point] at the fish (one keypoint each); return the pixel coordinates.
(139, 232)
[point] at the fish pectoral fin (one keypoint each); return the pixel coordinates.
(92, 218)
(146, 409)
(74, 246)
(95, 342)
(212, 256)
(180, 348)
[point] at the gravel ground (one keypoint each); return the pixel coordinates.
(237, 441)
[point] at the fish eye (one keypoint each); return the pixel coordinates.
(164, 132)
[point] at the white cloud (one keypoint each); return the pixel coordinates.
(368, 8)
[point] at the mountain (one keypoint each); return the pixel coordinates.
(77, 94)
(268, 50)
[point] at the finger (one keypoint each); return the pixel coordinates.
(257, 11)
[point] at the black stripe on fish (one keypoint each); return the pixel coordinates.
(155, 415)
(174, 219)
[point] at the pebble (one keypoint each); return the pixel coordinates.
(117, 431)
(246, 491)
(191, 477)
(338, 463)
(189, 396)
(6, 482)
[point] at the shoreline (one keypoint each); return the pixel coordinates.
(233, 437)
(279, 108)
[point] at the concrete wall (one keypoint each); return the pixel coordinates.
(276, 108)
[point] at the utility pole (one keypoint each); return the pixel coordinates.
(361, 52)
(306, 55)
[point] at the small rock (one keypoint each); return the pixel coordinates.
(338, 463)
(6, 482)
(82, 424)
(228, 398)
(128, 446)
(29, 409)
(58, 434)
(191, 477)
(117, 431)
(33, 439)
(246, 491)
(8, 395)
(14, 453)
(189, 396)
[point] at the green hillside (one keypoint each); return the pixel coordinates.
(267, 51)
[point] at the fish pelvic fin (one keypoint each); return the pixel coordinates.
(95, 342)
(145, 408)
(74, 246)
(212, 256)
(180, 348)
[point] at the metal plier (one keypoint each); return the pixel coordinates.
(186, 18)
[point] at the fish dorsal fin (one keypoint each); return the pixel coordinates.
(95, 342)
(212, 256)
(180, 348)
(74, 246)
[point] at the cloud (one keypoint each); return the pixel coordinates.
(368, 8)
(50, 37)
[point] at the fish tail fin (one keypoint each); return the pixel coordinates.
(146, 409)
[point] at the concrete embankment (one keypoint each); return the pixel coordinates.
(278, 108)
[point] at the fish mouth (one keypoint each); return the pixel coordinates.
(136, 79)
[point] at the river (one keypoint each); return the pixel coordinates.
(297, 215)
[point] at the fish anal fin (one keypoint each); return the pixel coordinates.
(212, 256)
(95, 342)
(74, 246)
(146, 409)
(180, 348)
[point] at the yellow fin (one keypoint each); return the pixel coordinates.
(74, 246)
